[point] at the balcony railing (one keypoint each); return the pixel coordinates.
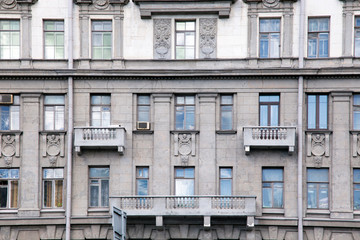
(273, 137)
(100, 138)
(186, 205)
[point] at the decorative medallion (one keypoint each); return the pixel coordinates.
(271, 3)
(162, 38)
(53, 160)
(101, 4)
(318, 161)
(208, 37)
(8, 4)
(318, 144)
(53, 145)
(8, 161)
(8, 147)
(184, 145)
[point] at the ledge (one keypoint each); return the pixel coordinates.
(185, 131)
(226, 131)
(273, 211)
(148, 8)
(143, 131)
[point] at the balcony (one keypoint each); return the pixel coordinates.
(206, 206)
(269, 137)
(100, 138)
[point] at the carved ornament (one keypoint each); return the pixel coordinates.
(8, 4)
(53, 146)
(318, 146)
(184, 145)
(9, 146)
(271, 3)
(162, 38)
(208, 31)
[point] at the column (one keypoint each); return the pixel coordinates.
(287, 42)
(29, 170)
(25, 54)
(340, 201)
(348, 33)
(253, 29)
(207, 142)
(161, 149)
(84, 42)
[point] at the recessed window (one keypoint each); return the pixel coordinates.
(356, 111)
(356, 189)
(273, 187)
(143, 108)
(53, 179)
(317, 111)
(269, 110)
(9, 188)
(357, 37)
(185, 113)
(318, 188)
(184, 181)
(225, 181)
(99, 186)
(185, 39)
(54, 106)
(54, 39)
(269, 38)
(101, 39)
(142, 180)
(318, 37)
(9, 39)
(10, 115)
(100, 110)
(226, 111)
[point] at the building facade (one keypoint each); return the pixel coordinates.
(200, 119)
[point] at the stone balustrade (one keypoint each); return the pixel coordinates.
(100, 138)
(271, 137)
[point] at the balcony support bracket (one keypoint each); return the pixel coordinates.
(207, 222)
(159, 221)
(250, 222)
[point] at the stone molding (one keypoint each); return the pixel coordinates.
(53, 146)
(162, 38)
(149, 8)
(11, 4)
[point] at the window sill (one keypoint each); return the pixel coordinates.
(184, 131)
(8, 211)
(98, 211)
(53, 131)
(318, 211)
(226, 131)
(273, 210)
(143, 131)
(52, 210)
(318, 131)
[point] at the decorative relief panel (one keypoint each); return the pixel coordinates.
(271, 3)
(9, 146)
(184, 145)
(162, 38)
(53, 146)
(318, 146)
(208, 31)
(355, 143)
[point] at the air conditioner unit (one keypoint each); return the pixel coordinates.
(6, 99)
(142, 125)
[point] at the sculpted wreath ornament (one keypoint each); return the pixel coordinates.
(101, 4)
(8, 3)
(271, 3)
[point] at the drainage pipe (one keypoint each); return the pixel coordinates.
(300, 121)
(70, 121)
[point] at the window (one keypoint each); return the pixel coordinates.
(184, 181)
(142, 180)
(273, 187)
(9, 39)
(54, 39)
(356, 110)
(317, 111)
(10, 115)
(100, 110)
(54, 106)
(53, 187)
(226, 110)
(269, 110)
(225, 181)
(185, 39)
(9, 188)
(318, 37)
(99, 187)
(318, 188)
(356, 189)
(269, 38)
(185, 113)
(143, 108)
(101, 39)
(357, 37)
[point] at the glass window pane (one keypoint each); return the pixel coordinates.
(180, 39)
(180, 52)
(54, 99)
(180, 25)
(184, 187)
(94, 196)
(274, 115)
(14, 194)
(312, 196)
(48, 173)
(142, 187)
(15, 117)
(105, 193)
(14, 173)
(357, 175)
(48, 193)
(356, 199)
(263, 115)
(267, 197)
(179, 118)
(225, 187)
(226, 119)
(143, 99)
(323, 112)
(189, 100)
(190, 26)
(95, 99)
(179, 172)
(317, 175)
(272, 174)
(58, 173)
(264, 47)
(323, 198)
(278, 195)
(190, 39)
(225, 172)
(189, 172)
(3, 194)
(4, 173)
(58, 193)
(226, 99)
(99, 172)
(311, 111)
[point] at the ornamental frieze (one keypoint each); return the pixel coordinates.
(318, 146)
(9, 146)
(184, 146)
(162, 38)
(53, 146)
(208, 30)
